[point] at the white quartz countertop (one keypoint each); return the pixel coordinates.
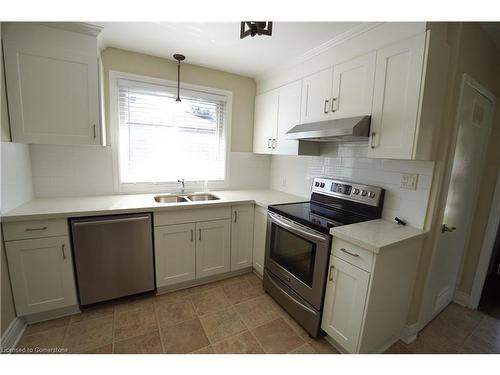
(376, 235)
(51, 208)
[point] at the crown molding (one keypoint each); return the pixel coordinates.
(77, 27)
(322, 48)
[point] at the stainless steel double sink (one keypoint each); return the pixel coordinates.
(181, 198)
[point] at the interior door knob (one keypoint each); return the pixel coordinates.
(446, 228)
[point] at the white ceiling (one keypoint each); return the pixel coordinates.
(218, 45)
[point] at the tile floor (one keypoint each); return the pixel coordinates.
(230, 316)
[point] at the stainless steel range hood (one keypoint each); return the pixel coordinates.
(340, 130)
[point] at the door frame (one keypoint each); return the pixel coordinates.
(424, 318)
(487, 248)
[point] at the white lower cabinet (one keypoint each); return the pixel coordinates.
(242, 236)
(175, 254)
(41, 272)
(213, 251)
(345, 298)
(259, 239)
(368, 295)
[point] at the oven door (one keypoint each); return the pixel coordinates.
(298, 256)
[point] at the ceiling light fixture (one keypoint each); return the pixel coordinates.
(179, 58)
(253, 28)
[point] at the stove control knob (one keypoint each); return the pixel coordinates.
(316, 184)
(371, 194)
(355, 191)
(364, 193)
(322, 184)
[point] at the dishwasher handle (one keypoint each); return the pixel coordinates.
(111, 221)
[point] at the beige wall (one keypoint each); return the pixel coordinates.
(243, 88)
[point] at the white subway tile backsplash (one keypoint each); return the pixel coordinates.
(349, 162)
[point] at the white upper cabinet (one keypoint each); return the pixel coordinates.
(288, 117)
(276, 112)
(353, 87)
(317, 96)
(242, 237)
(52, 78)
(265, 120)
(396, 99)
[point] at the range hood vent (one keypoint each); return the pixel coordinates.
(352, 129)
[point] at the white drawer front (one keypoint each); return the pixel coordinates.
(191, 215)
(355, 255)
(22, 230)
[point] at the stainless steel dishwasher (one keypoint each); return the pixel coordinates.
(113, 256)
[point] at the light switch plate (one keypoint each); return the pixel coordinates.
(409, 181)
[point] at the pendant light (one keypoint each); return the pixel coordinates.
(179, 58)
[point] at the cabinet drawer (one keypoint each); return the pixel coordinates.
(191, 215)
(352, 254)
(22, 230)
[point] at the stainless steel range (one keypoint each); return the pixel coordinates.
(298, 244)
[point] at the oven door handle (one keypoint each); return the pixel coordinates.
(297, 229)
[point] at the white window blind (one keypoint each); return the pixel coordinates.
(161, 140)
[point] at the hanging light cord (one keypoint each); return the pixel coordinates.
(178, 81)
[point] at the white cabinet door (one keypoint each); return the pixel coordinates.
(259, 239)
(353, 87)
(175, 251)
(53, 95)
(213, 248)
(242, 237)
(396, 99)
(345, 297)
(265, 121)
(316, 96)
(41, 272)
(288, 117)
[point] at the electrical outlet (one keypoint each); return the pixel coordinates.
(283, 182)
(409, 181)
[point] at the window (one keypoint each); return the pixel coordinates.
(161, 140)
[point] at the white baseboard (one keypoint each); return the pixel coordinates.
(11, 336)
(461, 298)
(409, 333)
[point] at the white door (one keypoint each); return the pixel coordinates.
(353, 87)
(213, 247)
(398, 78)
(288, 117)
(242, 237)
(175, 251)
(259, 239)
(53, 96)
(345, 297)
(41, 272)
(265, 121)
(474, 116)
(316, 96)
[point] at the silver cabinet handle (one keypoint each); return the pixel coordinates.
(235, 216)
(334, 101)
(34, 229)
(192, 235)
(274, 143)
(372, 145)
(330, 274)
(269, 143)
(63, 248)
(199, 234)
(348, 252)
(325, 105)
(95, 134)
